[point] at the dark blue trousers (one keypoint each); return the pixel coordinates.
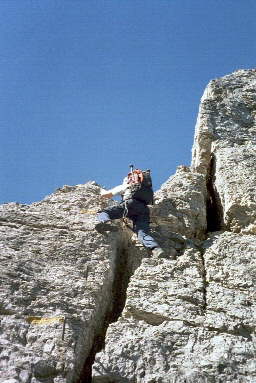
(138, 212)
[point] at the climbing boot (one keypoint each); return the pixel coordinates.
(102, 227)
(158, 252)
(172, 253)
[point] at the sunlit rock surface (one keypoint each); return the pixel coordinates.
(56, 282)
(180, 204)
(225, 147)
(79, 307)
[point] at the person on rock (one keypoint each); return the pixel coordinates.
(137, 193)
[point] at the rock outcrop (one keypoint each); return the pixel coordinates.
(78, 306)
(225, 146)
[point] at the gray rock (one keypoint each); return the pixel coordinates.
(180, 204)
(226, 116)
(57, 277)
(225, 149)
(235, 180)
(180, 324)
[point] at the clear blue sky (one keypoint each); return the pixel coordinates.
(88, 86)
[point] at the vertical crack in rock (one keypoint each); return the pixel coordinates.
(213, 204)
(205, 283)
(120, 284)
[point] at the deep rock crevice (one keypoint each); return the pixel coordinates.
(214, 209)
(205, 283)
(122, 274)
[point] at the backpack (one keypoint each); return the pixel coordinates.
(140, 186)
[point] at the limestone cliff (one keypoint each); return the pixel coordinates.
(77, 306)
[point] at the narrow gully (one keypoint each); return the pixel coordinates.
(214, 209)
(120, 284)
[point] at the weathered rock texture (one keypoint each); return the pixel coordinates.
(57, 275)
(77, 306)
(225, 147)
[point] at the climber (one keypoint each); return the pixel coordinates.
(133, 206)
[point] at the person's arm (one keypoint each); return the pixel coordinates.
(116, 190)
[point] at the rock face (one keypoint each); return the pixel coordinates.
(226, 139)
(78, 306)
